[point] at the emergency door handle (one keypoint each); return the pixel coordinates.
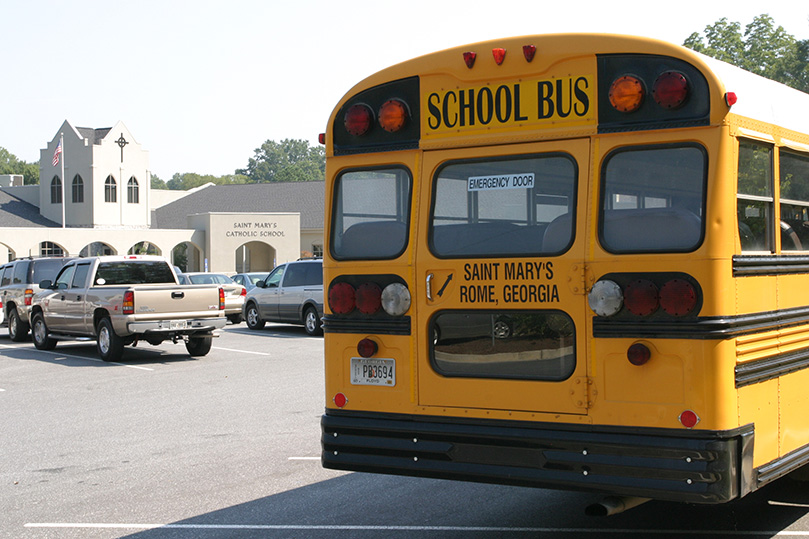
(430, 286)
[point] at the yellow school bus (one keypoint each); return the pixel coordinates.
(569, 261)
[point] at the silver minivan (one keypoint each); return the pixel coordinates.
(291, 293)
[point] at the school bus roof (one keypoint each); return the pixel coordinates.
(757, 97)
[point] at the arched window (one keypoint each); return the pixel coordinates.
(48, 248)
(132, 196)
(56, 190)
(78, 189)
(110, 189)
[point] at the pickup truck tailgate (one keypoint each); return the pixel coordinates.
(166, 302)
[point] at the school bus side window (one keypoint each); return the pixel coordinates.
(794, 175)
(504, 207)
(370, 217)
(755, 207)
(653, 199)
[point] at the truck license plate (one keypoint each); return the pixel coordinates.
(373, 372)
(178, 324)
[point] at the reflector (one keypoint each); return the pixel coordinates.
(499, 55)
(626, 94)
(689, 419)
(340, 400)
(529, 51)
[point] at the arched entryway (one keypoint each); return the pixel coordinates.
(97, 248)
(186, 256)
(6, 253)
(255, 256)
(144, 248)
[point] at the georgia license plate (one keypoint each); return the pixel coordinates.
(373, 372)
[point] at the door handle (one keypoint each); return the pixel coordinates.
(177, 295)
(430, 286)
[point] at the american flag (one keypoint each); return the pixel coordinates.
(56, 154)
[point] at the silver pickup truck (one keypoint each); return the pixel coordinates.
(121, 300)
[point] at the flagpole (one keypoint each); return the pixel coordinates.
(64, 180)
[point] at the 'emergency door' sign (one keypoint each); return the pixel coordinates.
(505, 181)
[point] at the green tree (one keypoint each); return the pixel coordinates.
(190, 180)
(157, 183)
(763, 49)
(291, 160)
(10, 164)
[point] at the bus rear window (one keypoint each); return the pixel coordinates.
(533, 345)
(507, 207)
(653, 199)
(370, 216)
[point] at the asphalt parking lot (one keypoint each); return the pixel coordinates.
(162, 445)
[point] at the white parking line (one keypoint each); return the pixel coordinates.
(241, 351)
(462, 529)
(65, 356)
(304, 458)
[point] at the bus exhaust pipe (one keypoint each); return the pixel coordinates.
(612, 505)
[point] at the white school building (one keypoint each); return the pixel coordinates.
(96, 198)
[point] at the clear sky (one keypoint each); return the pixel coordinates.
(202, 84)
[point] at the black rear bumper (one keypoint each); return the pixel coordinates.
(688, 466)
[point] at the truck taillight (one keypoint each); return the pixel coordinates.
(221, 299)
(129, 302)
(29, 295)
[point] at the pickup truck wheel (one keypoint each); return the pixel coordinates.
(109, 345)
(235, 318)
(40, 334)
(252, 319)
(198, 346)
(17, 329)
(311, 321)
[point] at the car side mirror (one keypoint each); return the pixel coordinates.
(45, 284)
(261, 284)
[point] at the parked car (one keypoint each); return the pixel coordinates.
(123, 300)
(249, 280)
(291, 293)
(19, 282)
(234, 292)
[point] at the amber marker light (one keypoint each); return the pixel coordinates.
(626, 94)
(499, 55)
(392, 115)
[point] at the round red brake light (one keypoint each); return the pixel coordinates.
(358, 119)
(670, 90)
(678, 297)
(369, 298)
(641, 297)
(392, 115)
(341, 298)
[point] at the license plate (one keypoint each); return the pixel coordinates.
(178, 324)
(373, 372)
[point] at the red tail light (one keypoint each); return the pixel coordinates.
(358, 119)
(129, 302)
(678, 297)
(670, 90)
(641, 297)
(368, 298)
(244, 292)
(221, 299)
(29, 295)
(341, 298)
